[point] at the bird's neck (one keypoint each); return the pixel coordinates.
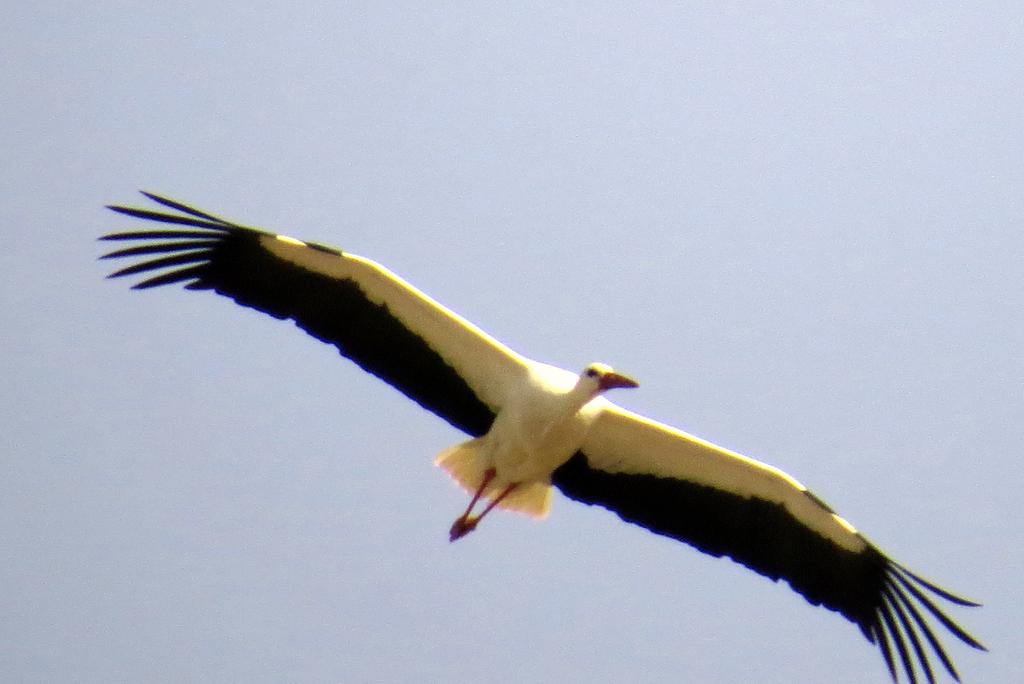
(577, 398)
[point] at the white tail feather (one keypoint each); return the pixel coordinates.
(530, 498)
(463, 463)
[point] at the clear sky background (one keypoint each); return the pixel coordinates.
(800, 227)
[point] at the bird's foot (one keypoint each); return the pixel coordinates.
(462, 526)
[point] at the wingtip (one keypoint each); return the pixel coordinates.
(120, 209)
(939, 591)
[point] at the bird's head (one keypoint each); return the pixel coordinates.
(599, 377)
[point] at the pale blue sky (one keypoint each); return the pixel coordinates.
(800, 227)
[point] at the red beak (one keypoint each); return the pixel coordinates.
(612, 380)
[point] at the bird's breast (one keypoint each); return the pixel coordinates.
(529, 442)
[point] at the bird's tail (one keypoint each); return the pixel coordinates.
(464, 464)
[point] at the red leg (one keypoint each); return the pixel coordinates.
(467, 524)
(496, 501)
(463, 525)
(488, 476)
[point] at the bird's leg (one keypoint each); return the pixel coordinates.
(463, 525)
(467, 524)
(495, 502)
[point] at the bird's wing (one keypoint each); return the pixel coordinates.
(725, 504)
(388, 327)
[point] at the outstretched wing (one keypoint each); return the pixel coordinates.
(725, 504)
(384, 324)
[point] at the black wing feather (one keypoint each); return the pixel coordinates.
(764, 536)
(908, 629)
(230, 259)
(160, 248)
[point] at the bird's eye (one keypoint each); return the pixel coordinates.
(591, 372)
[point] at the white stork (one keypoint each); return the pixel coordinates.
(534, 425)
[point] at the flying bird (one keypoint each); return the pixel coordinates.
(534, 426)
